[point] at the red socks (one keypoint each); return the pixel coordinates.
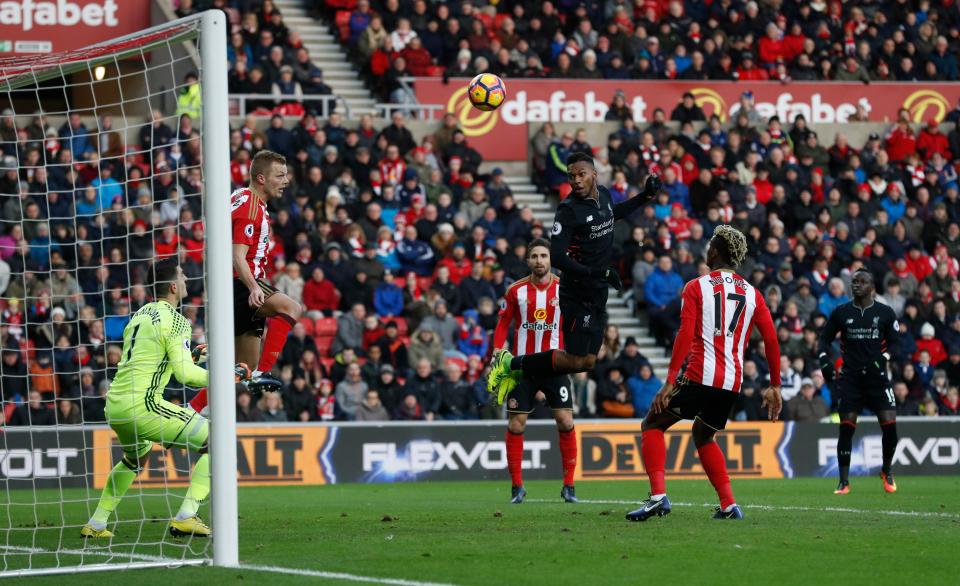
(715, 465)
(515, 457)
(653, 450)
(276, 337)
(568, 455)
(199, 401)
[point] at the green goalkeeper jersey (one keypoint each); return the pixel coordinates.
(156, 344)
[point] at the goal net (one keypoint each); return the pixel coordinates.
(108, 164)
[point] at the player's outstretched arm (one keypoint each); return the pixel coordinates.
(651, 187)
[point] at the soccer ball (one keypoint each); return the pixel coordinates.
(487, 92)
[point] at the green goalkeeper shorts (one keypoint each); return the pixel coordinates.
(152, 420)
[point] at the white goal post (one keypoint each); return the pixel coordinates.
(51, 475)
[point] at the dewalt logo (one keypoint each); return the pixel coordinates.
(612, 451)
(926, 104)
(282, 455)
(473, 122)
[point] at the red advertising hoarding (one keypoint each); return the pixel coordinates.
(46, 26)
(502, 135)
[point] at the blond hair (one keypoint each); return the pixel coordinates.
(735, 241)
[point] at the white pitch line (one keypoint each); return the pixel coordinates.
(339, 576)
(174, 562)
(98, 553)
(775, 508)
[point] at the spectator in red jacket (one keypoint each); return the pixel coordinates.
(771, 47)
(748, 71)
(919, 263)
(901, 142)
(459, 265)
(678, 222)
(320, 296)
(793, 42)
(418, 58)
(932, 141)
(929, 343)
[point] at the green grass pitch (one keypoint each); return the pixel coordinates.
(468, 534)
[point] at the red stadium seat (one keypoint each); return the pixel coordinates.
(435, 70)
(564, 190)
(327, 363)
(307, 325)
(486, 19)
(323, 345)
(326, 326)
(424, 283)
(498, 20)
(402, 328)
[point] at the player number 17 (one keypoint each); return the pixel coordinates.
(741, 301)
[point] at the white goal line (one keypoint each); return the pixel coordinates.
(143, 561)
(772, 508)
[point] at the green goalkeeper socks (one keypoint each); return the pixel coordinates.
(198, 491)
(119, 481)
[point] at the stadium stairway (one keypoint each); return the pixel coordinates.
(338, 72)
(618, 308)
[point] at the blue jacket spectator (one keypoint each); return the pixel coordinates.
(415, 255)
(833, 298)
(895, 208)
(388, 298)
(473, 338)
(108, 188)
(662, 286)
(557, 154)
(679, 193)
(643, 388)
(76, 138)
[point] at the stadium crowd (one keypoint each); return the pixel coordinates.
(399, 250)
(860, 40)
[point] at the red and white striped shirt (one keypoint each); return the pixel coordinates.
(536, 309)
(251, 226)
(718, 313)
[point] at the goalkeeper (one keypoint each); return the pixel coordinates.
(156, 344)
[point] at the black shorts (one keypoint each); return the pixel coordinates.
(245, 319)
(856, 391)
(583, 323)
(558, 390)
(710, 405)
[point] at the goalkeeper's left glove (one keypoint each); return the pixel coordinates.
(241, 372)
(199, 354)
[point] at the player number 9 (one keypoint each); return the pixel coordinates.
(564, 394)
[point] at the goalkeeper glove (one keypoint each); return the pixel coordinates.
(241, 372)
(826, 367)
(199, 354)
(651, 186)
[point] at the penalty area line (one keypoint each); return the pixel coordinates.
(337, 576)
(919, 514)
